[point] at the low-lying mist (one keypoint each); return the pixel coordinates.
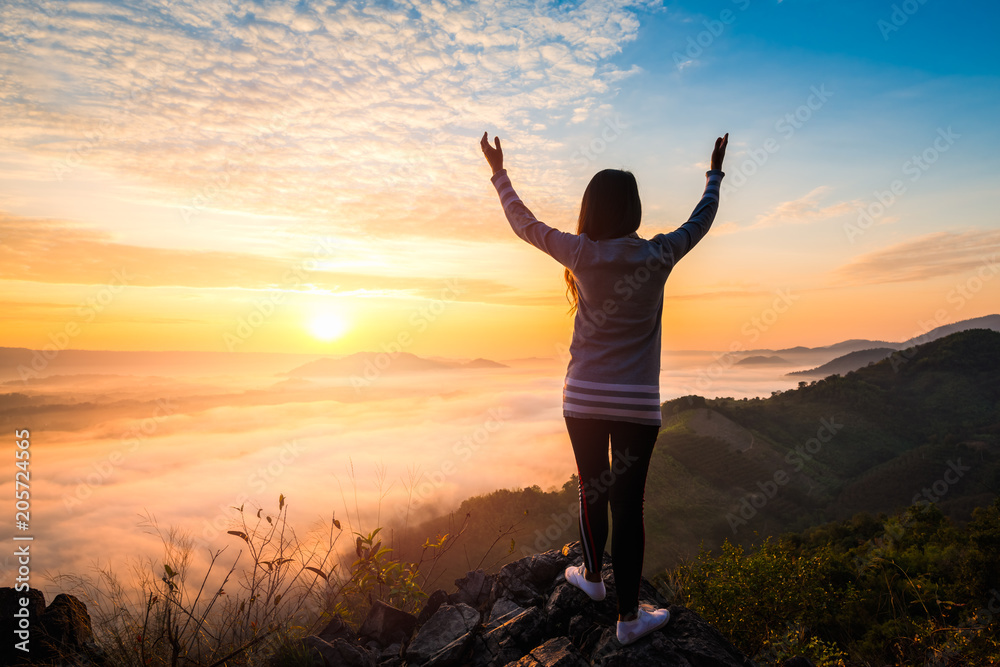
(112, 452)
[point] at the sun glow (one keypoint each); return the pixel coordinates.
(328, 326)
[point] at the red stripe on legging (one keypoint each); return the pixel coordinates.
(586, 522)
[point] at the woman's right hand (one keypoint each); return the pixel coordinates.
(493, 155)
(719, 153)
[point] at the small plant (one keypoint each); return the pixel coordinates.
(797, 642)
(375, 575)
(277, 590)
(258, 603)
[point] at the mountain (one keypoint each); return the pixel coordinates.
(361, 363)
(858, 344)
(19, 364)
(851, 361)
(369, 364)
(920, 426)
(484, 363)
(859, 358)
(760, 360)
(872, 440)
(851, 345)
(986, 322)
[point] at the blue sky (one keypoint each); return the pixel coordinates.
(206, 147)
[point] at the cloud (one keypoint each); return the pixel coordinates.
(186, 449)
(126, 448)
(362, 115)
(930, 256)
(57, 252)
(720, 294)
(804, 210)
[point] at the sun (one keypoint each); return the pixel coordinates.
(328, 326)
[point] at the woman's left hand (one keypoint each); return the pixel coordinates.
(719, 152)
(493, 155)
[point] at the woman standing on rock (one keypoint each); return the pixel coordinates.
(615, 282)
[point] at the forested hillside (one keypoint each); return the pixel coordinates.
(920, 427)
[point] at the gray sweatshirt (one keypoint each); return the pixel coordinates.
(614, 367)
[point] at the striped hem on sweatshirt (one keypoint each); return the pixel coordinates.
(601, 400)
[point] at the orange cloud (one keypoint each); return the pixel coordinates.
(929, 256)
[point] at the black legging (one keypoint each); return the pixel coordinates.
(622, 482)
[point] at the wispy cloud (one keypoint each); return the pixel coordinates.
(55, 252)
(804, 210)
(358, 114)
(930, 256)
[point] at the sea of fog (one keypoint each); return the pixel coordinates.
(118, 452)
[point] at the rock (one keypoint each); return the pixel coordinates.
(337, 644)
(435, 600)
(511, 640)
(66, 622)
(60, 632)
(489, 650)
(337, 628)
(503, 610)
(556, 652)
(473, 589)
(387, 625)
(339, 652)
(525, 581)
(686, 639)
(531, 618)
(526, 615)
(538, 583)
(10, 604)
(444, 637)
(391, 656)
(565, 601)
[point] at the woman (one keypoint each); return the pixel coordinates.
(615, 282)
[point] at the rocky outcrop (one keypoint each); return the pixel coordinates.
(525, 615)
(57, 634)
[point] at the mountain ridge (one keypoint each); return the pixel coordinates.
(871, 440)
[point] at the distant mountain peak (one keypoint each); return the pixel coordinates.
(368, 363)
(485, 363)
(757, 360)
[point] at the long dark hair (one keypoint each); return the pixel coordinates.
(610, 209)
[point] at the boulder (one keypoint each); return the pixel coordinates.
(557, 652)
(510, 640)
(10, 604)
(526, 615)
(434, 601)
(442, 640)
(503, 610)
(473, 589)
(337, 628)
(338, 653)
(59, 633)
(387, 625)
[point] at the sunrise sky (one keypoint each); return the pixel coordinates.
(264, 176)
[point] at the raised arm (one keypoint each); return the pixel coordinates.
(680, 241)
(562, 246)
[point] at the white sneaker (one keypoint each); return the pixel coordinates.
(576, 576)
(649, 620)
